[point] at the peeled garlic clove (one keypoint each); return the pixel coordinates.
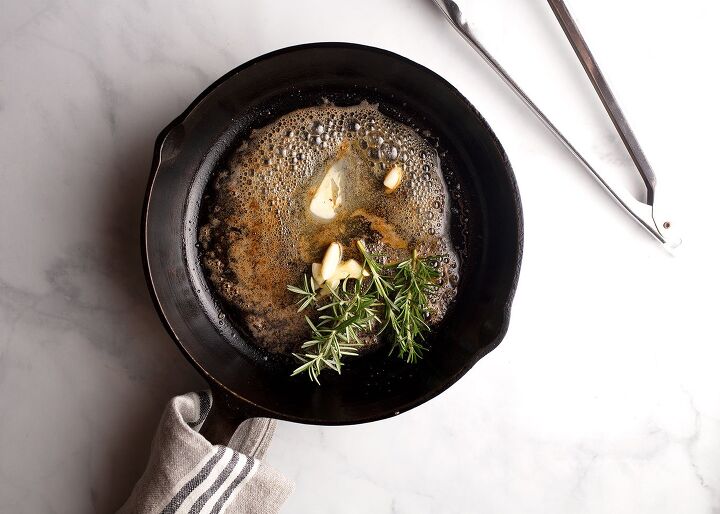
(348, 269)
(328, 196)
(317, 278)
(393, 178)
(327, 287)
(330, 261)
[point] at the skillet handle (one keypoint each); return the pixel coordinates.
(224, 417)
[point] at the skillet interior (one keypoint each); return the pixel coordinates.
(487, 228)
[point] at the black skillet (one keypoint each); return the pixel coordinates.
(486, 220)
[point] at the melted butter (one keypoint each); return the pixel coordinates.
(260, 234)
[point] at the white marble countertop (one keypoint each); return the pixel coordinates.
(604, 396)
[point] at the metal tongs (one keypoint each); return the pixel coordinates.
(645, 213)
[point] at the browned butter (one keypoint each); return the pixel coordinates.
(260, 236)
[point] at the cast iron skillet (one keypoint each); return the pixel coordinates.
(486, 220)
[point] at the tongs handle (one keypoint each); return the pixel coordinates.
(606, 96)
(645, 213)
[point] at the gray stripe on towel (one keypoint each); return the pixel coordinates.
(191, 484)
(220, 480)
(235, 483)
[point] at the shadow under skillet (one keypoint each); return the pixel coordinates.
(145, 350)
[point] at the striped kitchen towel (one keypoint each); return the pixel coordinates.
(188, 474)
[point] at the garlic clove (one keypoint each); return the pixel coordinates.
(328, 197)
(349, 269)
(317, 278)
(330, 261)
(328, 287)
(393, 178)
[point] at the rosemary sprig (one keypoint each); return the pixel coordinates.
(413, 281)
(396, 296)
(350, 312)
(380, 285)
(306, 292)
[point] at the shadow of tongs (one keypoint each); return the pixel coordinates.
(645, 213)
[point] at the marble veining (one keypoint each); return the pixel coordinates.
(605, 395)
